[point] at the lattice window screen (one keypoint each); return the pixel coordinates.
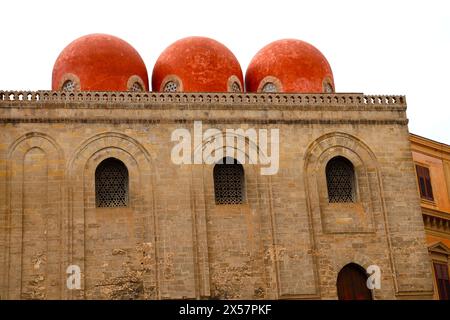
(136, 87)
(328, 88)
(235, 87)
(111, 184)
(269, 87)
(170, 86)
(69, 85)
(229, 183)
(340, 180)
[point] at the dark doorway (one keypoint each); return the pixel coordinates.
(351, 283)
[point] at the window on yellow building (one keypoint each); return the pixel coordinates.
(442, 280)
(423, 177)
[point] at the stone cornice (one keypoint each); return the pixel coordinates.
(430, 147)
(436, 213)
(436, 221)
(148, 107)
(143, 99)
(206, 120)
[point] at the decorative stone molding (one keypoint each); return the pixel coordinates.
(227, 108)
(436, 223)
(439, 248)
(337, 99)
(136, 79)
(327, 122)
(231, 81)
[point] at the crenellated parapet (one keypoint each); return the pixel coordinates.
(335, 99)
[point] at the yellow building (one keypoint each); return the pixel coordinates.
(432, 160)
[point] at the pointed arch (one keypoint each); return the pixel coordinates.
(34, 171)
(141, 225)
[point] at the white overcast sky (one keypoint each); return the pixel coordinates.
(374, 47)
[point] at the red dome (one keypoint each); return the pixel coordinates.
(100, 62)
(197, 64)
(289, 66)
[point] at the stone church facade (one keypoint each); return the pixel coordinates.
(87, 180)
(172, 240)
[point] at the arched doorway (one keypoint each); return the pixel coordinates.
(351, 283)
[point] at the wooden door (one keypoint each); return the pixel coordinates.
(351, 283)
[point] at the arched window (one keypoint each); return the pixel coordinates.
(234, 84)
(269, 87)
(340, 180)
(327, 86)
(171, 86)
(68, 85)
(111, 184)
(229, 182)
(135, 84)
(235, 87)
(136, 87)
(352, 283)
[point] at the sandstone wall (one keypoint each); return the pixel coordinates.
(173, 241)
